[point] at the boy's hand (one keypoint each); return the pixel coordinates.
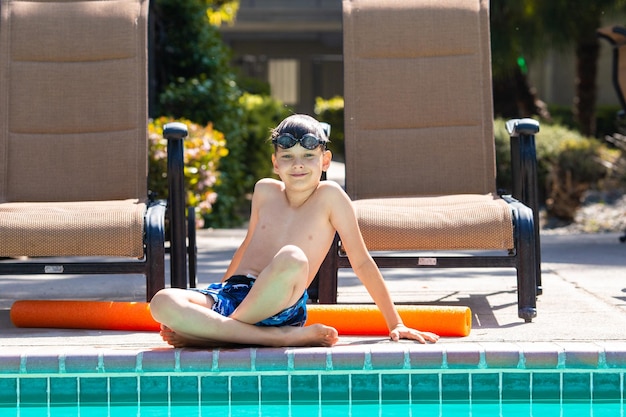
(403, 332)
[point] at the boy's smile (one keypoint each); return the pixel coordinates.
(297, 162)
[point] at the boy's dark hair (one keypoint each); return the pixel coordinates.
(300, 124)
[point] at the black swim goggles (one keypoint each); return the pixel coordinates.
(307, 141)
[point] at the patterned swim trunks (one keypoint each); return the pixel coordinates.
(229, 294)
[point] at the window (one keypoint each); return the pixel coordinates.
(283, 77)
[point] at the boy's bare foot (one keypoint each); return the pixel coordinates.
(313, 335)
(178, 340)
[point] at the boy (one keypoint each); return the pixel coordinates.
(262, 298)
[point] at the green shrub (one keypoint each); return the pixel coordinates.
(568, 164)
(606, 118)
(331, 112)
(203, 149)
(262, 113)
(194, 80)
(547, 144)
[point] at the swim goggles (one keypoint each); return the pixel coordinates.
(307, 141)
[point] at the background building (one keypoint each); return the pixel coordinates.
(296, 46)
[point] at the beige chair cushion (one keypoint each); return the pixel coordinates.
(436, 223)
(103, 228)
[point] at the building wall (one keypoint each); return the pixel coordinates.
(310, 32)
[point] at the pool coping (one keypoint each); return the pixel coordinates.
(359, 357)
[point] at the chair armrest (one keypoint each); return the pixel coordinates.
(517, 127)
(524, 160)
(175, 132)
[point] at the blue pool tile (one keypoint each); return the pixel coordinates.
(606, 386)
(153, 389)
(365, 388)
(546, 386)
(305, 388)
(8, 391)
(516, 386)
(244, 389)
(214, 389)
(455, 387)
(124, 389)
(395, 387)
(64, 390)
(485, 387)
(184, 389)
(33, 391)
(335, 388)
(576, 386)
(425, 388)
(274, 389)
(93, 390)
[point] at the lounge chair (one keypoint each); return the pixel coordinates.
(73, 145)
(419, 143)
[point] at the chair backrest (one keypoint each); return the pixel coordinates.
(418, 98)
(73, 85)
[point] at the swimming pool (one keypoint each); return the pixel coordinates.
(378, 379)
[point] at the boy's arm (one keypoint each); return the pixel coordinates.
(343, 218)
(254, 216)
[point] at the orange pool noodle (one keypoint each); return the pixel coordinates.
(347, 319)
(366, 319)
(96, 315)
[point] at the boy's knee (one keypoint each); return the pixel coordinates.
(293, 258)
(293, 254)
(162, 304)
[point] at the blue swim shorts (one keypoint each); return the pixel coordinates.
(229, 294)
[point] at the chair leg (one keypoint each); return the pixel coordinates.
(192, 248)
(327, 275)
(526, 263)
(155, 249)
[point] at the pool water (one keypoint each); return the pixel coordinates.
(452, 409)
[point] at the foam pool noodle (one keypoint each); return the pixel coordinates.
(348, 319)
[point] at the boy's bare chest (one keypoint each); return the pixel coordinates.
(284, 224)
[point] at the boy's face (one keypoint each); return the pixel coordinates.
(299, 166)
